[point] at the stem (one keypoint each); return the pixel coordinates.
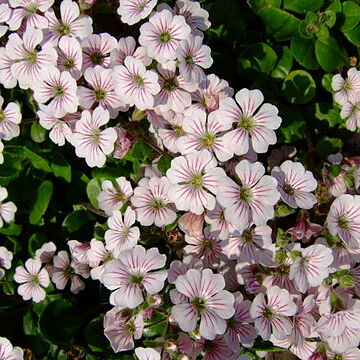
(92, 209)
(155, 323)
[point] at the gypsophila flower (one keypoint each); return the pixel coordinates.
(147, 354)
(90, 141)
(113, 198)
(6, 257)
(132, 11)
(346, 89)
(131, 273)
(98, 256)
(46, 256)
(70, 57)
(195, 178)
(121, 234)
(162, 35)
(251, 125)
(8, 209)
(151, 202)
(8, 352)
(344, 219)
(351, 112)
(10, 119)
(295, 184)
(206, 299)
(5, 14)
(32, 279)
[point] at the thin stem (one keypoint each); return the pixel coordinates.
(92, 209)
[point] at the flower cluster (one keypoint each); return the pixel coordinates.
(235, 273)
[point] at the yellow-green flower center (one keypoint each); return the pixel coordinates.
(246, 122)
(196, 181)
(165, 37)
(208, 140)
(199, 304)
(245, 194)
(63, 29)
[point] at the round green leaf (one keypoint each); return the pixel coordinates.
(350, 16)
(304, 53)
(302, 6)
(284, 64)
(299, 87)
(353, 35)
(329, 54)
(292, 127)
(258, 57)
(93, 189)
(279, 23)
(37, 132)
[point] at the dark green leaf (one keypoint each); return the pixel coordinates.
(94, 335)
(30, 323)
(93, 189)
(60, 166)
(42, 201)
(76, 219)
(304, 52)
(302, 6)
(353, 35)
(164, 163)
(329, 54)
(37, 132)
(141, 150)
(299, 87)
(257, 5)
(350, 15)
(326, 111)
(284, 64)
(36, 241)
(329, 146)
(326, 82)
(292, 127)
(279, 23)
(107, 173)
(11, 229)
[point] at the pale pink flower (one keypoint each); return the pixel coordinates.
(195, 179)
(341, 330)
(8, 352)
(32, 279)
(98, 256)
(5, 14)
(203, 132)
(113, 198)
(90, 141)
(123, 143)
(147, 354)
(70, 57)
(193, 57)
(60, 129)
(178, 267)
(207, 299)
(209, 93)
(121, 234)
(304, 229)
(351, 112)
(350, 354)
(152, 204)
(78, 251)
(357, 178)
(6, 257)
(72, 23)
(121, 329)
(344, 219)
(271, 315)
(29, 63)
(191, 224)
(218, 349)
(66, 269)
(302, 350)
(6, 77)
(346, 89)
(46, 256)
(207, 247)
(239, 330)
(102, 92)
(172, 131)
(127, 47)
(136, 85)
(295, 184)
(162, 35)
(10, 119)
(251, 202)
(29, 12)
(216, 219)
(246, 275)
(175, 90)
(132, 11)
(8, 209)
(132, 273)
(96, 50)
(248, 245)
(251, 125)
(58, 90)
(311, 267)
(196, 17)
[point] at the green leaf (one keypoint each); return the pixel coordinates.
(42, 201)
(326, 82)
(262, 345)
(329, 54)
(61, 320)
(93, 189)
(335, 6)
(164, 163)
(76, 219)
(258, 57)
(30, 323)
(257, 5)
(36, 241)
(304, 52)
(292, 127)
(350, 16)
(8, 288)
(94, 335)
(353, 35)
(329, 146)
(107, 173)
(326, 111)
(284, 64)
(302, 6)
(60, 166)
(299, 87)
(141, 150)
(329, 18)
(283, 210)
(11, 229)
(37, 132)
(279, 23)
